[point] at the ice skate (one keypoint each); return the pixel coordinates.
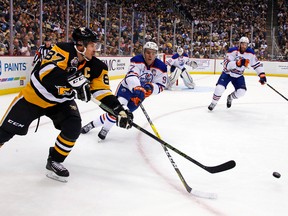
(102, 134)
(229, 101)
(56, 170)
(87, 128)
(211, 106)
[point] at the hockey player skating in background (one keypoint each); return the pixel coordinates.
(236, 61)
(70, 70)
(147, 75)
(178, 61)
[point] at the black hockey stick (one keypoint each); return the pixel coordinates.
(277, 91)
(188, 188)
(211, 169)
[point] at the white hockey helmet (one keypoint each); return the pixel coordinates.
(244, 40)
(180, 51)
(150, 45)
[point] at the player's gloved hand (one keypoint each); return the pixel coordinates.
(138, 95)
(81, 85)
(262, 79)
(124, 117)
(242, 62)
(149, 89)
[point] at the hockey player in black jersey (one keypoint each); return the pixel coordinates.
(70, 70)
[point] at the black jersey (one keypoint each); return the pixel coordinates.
(48, 85)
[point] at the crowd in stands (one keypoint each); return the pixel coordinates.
(210, 16)
(282, 23)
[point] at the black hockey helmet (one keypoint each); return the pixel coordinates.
(47, 38)
(85, 35)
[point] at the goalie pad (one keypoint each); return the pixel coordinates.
(173, 78)
(188, 80)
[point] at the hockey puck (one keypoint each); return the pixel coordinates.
(276, 175)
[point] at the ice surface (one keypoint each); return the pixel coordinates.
(129, 174)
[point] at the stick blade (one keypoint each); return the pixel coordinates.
(205, 195)
(222, 167)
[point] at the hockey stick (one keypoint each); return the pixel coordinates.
(277, 91)
(211, 169)
(188, 188)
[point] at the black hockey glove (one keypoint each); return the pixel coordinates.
(262, 79)
(124, 117)
(81, 85)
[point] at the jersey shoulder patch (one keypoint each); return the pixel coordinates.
(159, 64)
(175, 56)
(137, 59)
(232, 49)
(250, 50)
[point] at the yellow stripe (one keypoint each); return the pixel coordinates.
(31, 96)
(10, 91)
(66, 142)
(10, 106)
(100, 97)
(60, 151)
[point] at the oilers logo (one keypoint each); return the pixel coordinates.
(147, 77)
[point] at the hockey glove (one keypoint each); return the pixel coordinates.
(262, 79)
(124, 117)
(242, 62)
(81, 85)
(149, 89)
(138, 95)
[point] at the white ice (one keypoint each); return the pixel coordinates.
(129, 174)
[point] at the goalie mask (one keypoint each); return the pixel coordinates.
(81, 37)
(180, 51)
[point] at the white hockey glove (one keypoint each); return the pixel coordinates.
(192, 64)
(124, 117)
(81, 85)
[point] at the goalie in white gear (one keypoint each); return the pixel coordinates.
(178, 61)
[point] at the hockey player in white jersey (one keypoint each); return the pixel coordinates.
(147, 76)
(236, 61)
(178, 61)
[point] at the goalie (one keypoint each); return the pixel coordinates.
(178, 61)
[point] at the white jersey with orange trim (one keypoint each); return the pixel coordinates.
(233, 55)
(140, 73)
